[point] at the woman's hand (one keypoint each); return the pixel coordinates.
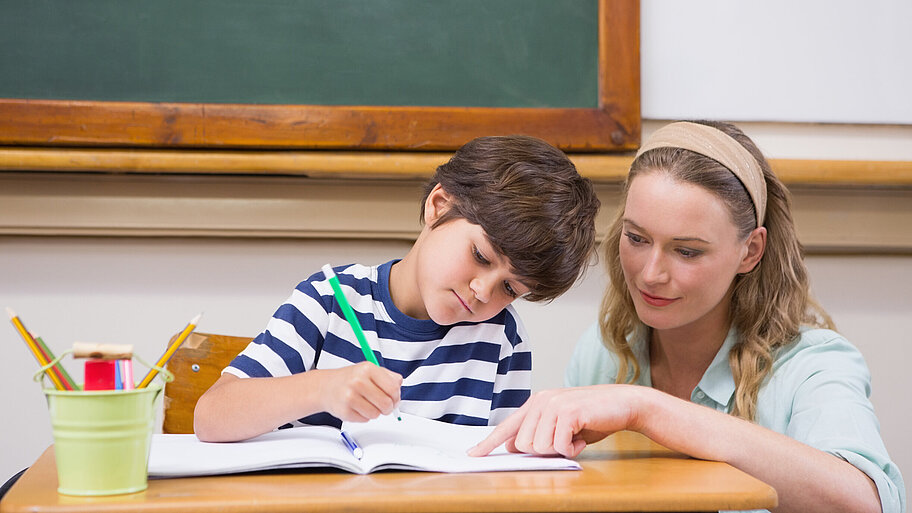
(563, 421)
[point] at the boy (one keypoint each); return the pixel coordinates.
(506, 217)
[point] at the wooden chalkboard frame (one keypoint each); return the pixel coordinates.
(614, 125)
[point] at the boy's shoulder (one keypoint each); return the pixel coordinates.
(357, 276)
(353, 271)
(505, 326)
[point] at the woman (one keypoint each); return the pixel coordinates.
(710, 339)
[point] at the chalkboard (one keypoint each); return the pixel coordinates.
(319, 74)
(480, 53)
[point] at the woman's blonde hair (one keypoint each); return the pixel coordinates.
(768, 305)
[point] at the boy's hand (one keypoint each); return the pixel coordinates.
(360, 392)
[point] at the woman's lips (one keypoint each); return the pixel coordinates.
(656, 300)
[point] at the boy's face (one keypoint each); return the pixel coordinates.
(461, 277)
(453, 273)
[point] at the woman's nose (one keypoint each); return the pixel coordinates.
(654, 270)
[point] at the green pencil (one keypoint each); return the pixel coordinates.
(50, 356)
(352, 320)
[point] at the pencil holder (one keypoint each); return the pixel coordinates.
(102, 437)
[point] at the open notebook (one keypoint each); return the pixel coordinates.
(413, 443)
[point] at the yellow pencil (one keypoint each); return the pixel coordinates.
(171, 349)
(33, 346)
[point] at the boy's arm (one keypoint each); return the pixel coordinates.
(239, 408)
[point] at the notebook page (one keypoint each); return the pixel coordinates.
(185, 455)
(422, 444)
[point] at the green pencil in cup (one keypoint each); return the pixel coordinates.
(353, 321)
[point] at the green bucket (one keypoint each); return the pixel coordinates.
(102, 437)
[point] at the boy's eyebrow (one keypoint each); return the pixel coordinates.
(680, 239)
(526, 284)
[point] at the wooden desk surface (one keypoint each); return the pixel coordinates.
(625, 472)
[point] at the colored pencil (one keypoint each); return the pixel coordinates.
(170, 352)
(118, 376)
(128, 374)
(59, 369)
(33, 347)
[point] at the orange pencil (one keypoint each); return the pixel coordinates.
(33, 346)
(171, 349)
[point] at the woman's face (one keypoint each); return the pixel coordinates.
(680, 252)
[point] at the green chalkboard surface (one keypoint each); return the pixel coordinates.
(474, 53)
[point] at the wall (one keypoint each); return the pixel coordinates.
(817, 61)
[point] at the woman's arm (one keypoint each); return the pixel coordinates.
(563, 421)
(236, 409)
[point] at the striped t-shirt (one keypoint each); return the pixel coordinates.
(465, 373)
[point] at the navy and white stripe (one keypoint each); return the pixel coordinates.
(467, 373)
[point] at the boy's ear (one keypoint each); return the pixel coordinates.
(436, 204)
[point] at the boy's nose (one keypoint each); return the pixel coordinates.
(480, 289)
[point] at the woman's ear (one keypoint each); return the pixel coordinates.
(755, 246)
(436, 204)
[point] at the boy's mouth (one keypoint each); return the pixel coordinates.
(463, 303)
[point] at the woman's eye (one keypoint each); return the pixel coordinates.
(689, 253)
(634, 238)
(478, 256)
(509, 290)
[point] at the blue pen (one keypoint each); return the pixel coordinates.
(357, 451)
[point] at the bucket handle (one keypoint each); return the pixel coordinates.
(165, 374)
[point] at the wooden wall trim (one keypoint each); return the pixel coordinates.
(368, 165)
(829, 219)
(844, 172)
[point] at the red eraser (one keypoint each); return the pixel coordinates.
(99, 374)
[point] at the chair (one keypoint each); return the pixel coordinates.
(196, 365)
(10, 482)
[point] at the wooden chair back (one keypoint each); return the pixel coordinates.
(196, 365)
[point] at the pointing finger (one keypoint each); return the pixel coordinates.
(502, 433)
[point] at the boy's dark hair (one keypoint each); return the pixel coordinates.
(533, 205)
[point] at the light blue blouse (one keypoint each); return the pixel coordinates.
(818, 393)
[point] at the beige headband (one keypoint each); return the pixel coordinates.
(720, 147)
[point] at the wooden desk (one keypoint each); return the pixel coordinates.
(626, 472)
